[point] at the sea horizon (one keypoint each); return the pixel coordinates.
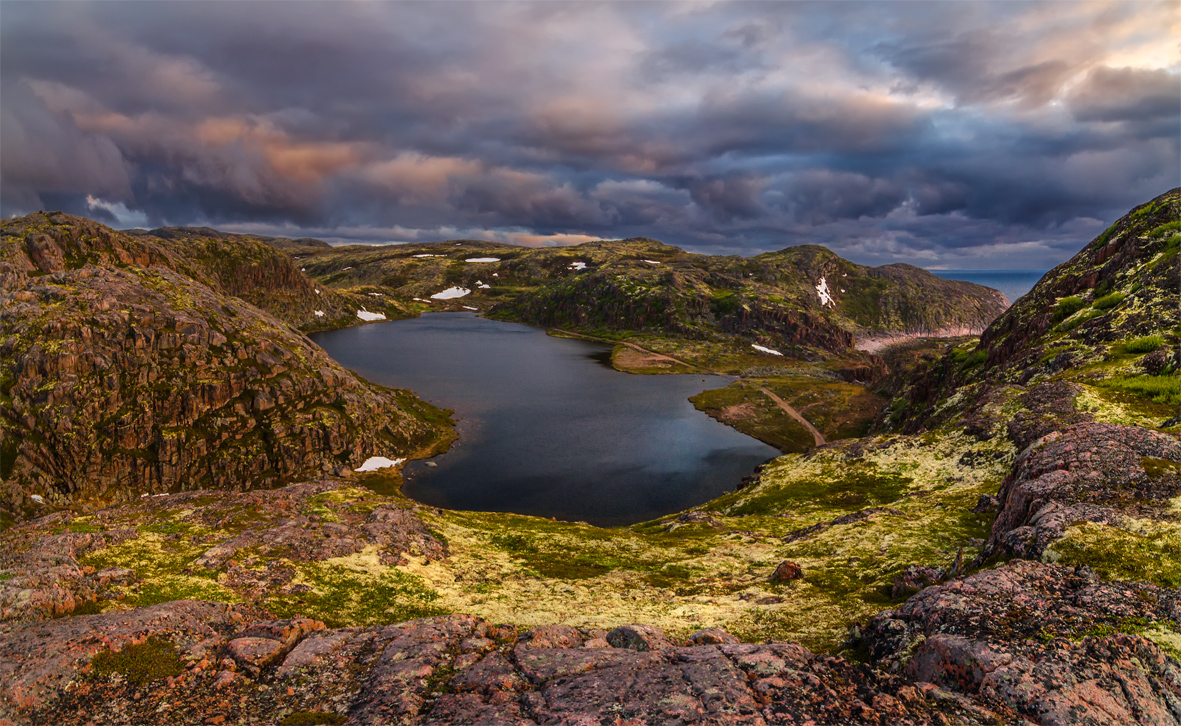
(1013, 283)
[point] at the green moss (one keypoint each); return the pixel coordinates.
(343, 595)
(1147, 344)
(1165, 229)
(837, 490)
(1107, 302)
(1161, 389)
(1066, 307)
(1157, 468)
(1153, 555)
(140, 663)
(82, 527)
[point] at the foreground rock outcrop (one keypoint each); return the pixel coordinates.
(256, 547)
(220, 664)
(1026, 642)
(124, 375)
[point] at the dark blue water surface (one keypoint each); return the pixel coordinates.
(546, 428)
(1013, 283)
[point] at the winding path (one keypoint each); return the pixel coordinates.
(819, 437)
(787, 407)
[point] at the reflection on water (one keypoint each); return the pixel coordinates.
(546, 427)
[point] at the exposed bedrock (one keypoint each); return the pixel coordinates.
(222, 663)
(1054, 644)
(1089, 472)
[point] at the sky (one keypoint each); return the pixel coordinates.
(970, 135)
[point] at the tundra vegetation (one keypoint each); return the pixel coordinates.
(1044, 450)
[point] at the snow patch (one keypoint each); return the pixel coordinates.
(823, 292)
(652, 262)
(429, 255)
(577, 265)
(451, 293)
(465, 307)
(366, 315)
(303, 269)
(420, 299)
(375, 294)
(373, 463)
(319, 313)
(765, 350)
(37, 498)
(482, 286)
(482, 259)
(346, 269)
(317, 292)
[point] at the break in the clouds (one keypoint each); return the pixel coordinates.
(948, 134)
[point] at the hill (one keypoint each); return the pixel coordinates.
(1004, 549)
(801, 298)
(137, 364)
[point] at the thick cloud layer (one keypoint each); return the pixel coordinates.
(944, 134)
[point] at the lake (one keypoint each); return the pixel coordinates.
(546, 426)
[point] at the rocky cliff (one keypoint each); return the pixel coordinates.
(129, 368)
(1107, 320)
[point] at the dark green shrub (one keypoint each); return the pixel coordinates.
(1165, 229)
(1147, 344)
(1068, 306)
(1107, 302)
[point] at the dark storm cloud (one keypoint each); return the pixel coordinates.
(939, 133)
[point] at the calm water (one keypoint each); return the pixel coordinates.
(1013, 283)
(545, 427)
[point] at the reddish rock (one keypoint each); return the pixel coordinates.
(711, 636)
(638, 637)
(787, 571)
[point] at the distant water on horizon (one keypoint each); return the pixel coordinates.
(1013, 283)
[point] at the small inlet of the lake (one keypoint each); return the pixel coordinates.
(546, 426)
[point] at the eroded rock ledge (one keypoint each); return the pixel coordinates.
(1026, 642)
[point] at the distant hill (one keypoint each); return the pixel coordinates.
(799, 297)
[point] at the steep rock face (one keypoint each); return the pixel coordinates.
(1136, 258)
(123, 376)
(1054, 644)
(1077, 322)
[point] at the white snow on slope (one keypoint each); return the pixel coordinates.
(465, 307)
(366, 315)
(319, 313)
(482, 259)
(652, 262)
(430, 255)
(765, 350)
(451, 293)
(373, 463)
(822, 291)
(577, 265)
